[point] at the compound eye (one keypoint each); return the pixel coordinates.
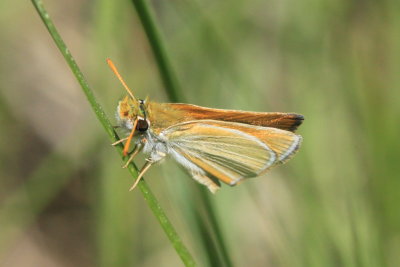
(142, 125)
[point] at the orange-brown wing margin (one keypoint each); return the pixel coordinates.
(284, 121)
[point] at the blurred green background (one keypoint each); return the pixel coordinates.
(64, 198)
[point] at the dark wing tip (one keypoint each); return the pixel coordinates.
(297, 120)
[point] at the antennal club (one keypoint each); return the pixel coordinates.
(114, 69)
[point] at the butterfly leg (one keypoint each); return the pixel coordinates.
(135, 151)
(157, 155)
(145, 167)
(119, 141)
(207, 181)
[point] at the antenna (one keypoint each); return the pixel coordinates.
(114, 69)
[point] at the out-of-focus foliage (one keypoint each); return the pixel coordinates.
(64, 199)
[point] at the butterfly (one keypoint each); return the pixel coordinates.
(214, 145)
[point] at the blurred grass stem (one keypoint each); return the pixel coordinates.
(160, 55)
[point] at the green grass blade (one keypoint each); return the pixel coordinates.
(175, 94)
(148, 195)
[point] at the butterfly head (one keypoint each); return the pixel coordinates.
(129, 110)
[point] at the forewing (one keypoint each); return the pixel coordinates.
(219, 149)
(187, 112)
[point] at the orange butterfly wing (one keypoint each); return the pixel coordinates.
(164, 115)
